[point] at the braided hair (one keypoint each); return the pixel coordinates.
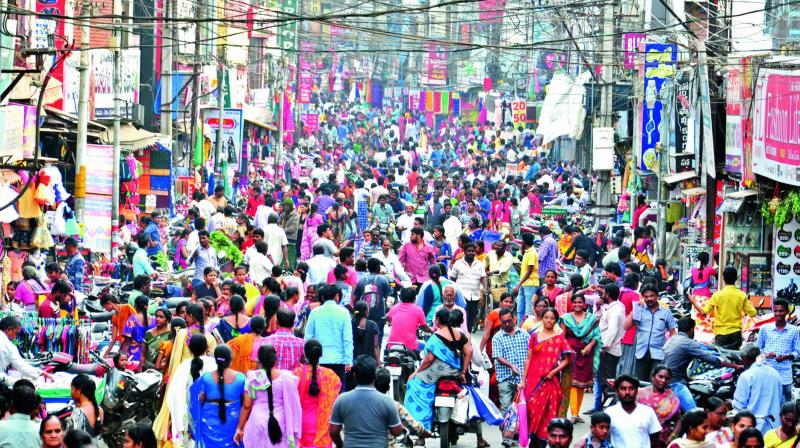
(237, 306)
(140, 304)
(313, 352)
(267, 356)
(223, 356)
(198, 345)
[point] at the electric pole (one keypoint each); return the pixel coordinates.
(116, 40)
(606, 107)
(166, 72)
(83, 115)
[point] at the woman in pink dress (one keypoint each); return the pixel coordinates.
(319, 387)
(702, 280)
(271, 415)
(313, 220)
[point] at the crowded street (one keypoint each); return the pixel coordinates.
(467, 223)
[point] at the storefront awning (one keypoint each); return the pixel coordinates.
(678, 177)
(691, 192)
(741, 194)
(259, 117)
(131, 137)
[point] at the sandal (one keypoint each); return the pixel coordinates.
(577, 419)
(483, 444)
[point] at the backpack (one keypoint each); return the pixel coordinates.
(370, 294)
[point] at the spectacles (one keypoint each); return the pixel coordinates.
(507, 321)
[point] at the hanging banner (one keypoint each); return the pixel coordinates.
(519, 113)
(631, 43)
(733, 123)
(306, 81)
(99, 169)
(776, 126)
(43, 29)
(97, 210)
(311, 122)
(103, 77)
(437, 64)
(232, 134)
(786, 262)
(659, 64)
(683, 105)
(491, 11)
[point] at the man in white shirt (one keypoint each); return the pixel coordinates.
(318, 266)
(260, 264)
(263, 212)
(632, 424)
(469, 275)
(405, 223)
(206, 208)
(611, 332)
(216, 221)
(324, 241)
(193, 241)
(276, 241)
(9, 353)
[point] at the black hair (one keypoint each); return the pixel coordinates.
(383, 380)
(196, 311)
(456, 318)
(267, 356)
(576, 280)
(313, 352)
(140, 304)
(743, 414)
(748, 434)
(86, 386)
(143, 435)
(786, 408)
(703, 258)
(613, 268)
(302, 268)
(271, 305)
(360, 310)
(600, 417)
(627, 379)
(198, 345)
(140, 281)
(560, 423)
(612, 291)
(76, 438)
(183, 304)
(659, 367)
(631, 280)
(285, 318)
(691, 419)
(781, 302)
(25, 399)
(407, 295)
(223, 356)
(258, 325)
(46, 419)
(686, 324)
(364, 369)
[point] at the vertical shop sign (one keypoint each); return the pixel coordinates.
(776, 127)
(683, 105)
(631, 43)
(786, 262)
(733, 123)
(98, 205)
(43, 28)
(232, 134)
(311, 122)
(99, 169)
(306, 83)
(519, 111)
(437, 64)
(747, 82)
(659, 64)
(288, 29)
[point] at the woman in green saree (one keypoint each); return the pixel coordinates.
(583, 334)
(154, 337)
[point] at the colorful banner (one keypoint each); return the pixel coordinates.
(311, 122)
(786, 260)
(103, 77)
(99, 169)
(306, 81)
(491, 11)
(631, 43)
(44, 28)
(232, 134)
(659, 64)
(776, 127)
(97, 221)
(683, 106)
(437, 64)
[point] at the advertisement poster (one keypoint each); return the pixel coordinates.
(659, 65)
(99, 169)
(103, 77)
(519, 110)
(631, 43)
(232, 134)
(733, 123)
(776, 128)
(437, 64)
(97, 221)
(491, 11)
(43, 27)
(683, 105)
(786, 263)
(306, 82)
(311, 122)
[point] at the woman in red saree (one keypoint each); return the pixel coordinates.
(549, 355)
(318, 387)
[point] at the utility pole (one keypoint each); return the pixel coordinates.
(83, 115)
(166, 72)
(606, 108)
(116, 39)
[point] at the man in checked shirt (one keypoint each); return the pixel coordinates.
(780, 343)
(287, 345)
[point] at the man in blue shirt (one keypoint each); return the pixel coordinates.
(758, 390)
(652, 323)
(141, 262)
(150, 228)
(780, 343)
(75, 267)
(330, 324)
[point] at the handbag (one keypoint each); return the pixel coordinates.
(461, 408)
(510, 421)
(522, 426)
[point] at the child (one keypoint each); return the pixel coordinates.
(599, 436)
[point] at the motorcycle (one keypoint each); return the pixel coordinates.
(718, 382)
(400, 362)
(447, 390)
(130, 399)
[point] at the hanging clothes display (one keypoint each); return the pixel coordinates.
(40, 335)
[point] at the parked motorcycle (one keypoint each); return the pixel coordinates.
(719, 382)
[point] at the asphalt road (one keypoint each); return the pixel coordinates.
(492, 433)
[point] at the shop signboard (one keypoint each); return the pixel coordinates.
(631, 43)
(733, 123)
(776, 128)
(46, 24)
(519, 112)
(306, 81)
(759, 279)
(232, 133)
(786, 262)
(437, 64)
(99, 169)
(311, 122)
(97, 222)
(287, 30)
(12, 122)
(102, 79)
(683, 105)
(659, 65)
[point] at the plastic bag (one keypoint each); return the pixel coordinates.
(484, 407)
(41, 235)
(27, 205)
(44, 195)
(510, 421)
(461, 408)
(483, 380)
(522, 427)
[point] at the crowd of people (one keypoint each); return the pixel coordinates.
(398, 232)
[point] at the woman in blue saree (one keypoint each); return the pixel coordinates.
(447, 353)
(216, 403)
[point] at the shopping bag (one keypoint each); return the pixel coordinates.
(461, 408)
(510, 419)
(522, 427)
(484, 407)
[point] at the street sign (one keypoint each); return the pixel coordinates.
(603, 149)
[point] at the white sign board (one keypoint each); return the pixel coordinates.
(602, 149)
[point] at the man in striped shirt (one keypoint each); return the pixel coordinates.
(288, 347)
